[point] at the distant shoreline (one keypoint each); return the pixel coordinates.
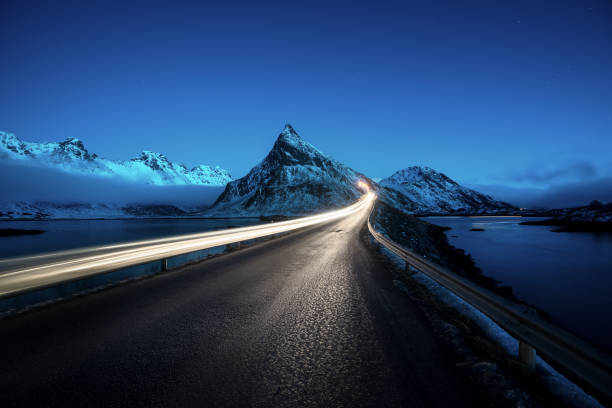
(12, 232)
(125, 218)
(573, 226)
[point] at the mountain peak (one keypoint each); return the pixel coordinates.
(73, 143)
(290, 136)
(290, 150)
(151, 154)
(294, 178)
(415, 174)
(7, 136)
(289, 129)
(74, 148)
(422, 190)
(12, 144)
(153, 159)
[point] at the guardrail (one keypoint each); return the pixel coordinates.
(27, 274)
(585, 363)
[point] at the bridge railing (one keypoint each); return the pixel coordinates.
(584, 363)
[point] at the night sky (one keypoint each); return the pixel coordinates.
(505, 96)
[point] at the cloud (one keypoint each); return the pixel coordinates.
(555, 196)
(29, 183)
(521, 197)
(568, 185)
(578, 171)
(576, 194)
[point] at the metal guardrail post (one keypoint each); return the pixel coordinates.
(527, 355)
(408, 269)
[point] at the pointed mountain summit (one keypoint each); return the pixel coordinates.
(295, 178)
(423, 190)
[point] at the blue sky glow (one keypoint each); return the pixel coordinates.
(483, 91)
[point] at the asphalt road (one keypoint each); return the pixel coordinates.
(22, 274)
(311, 319)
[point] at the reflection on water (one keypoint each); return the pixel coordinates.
(70, 234)
(568, 275)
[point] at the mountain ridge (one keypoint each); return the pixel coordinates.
(71, 156)
(294, 178)
(423, 190)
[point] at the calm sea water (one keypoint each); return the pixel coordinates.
(70, 234)
(567, 274)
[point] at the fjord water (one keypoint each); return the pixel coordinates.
(70, 234)
(568, 275)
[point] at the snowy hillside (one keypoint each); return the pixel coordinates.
(71, 156)
(295, 178)
(41, 210)
(422, 190)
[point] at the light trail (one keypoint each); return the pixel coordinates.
(23, 274)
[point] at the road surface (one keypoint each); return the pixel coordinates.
(27, 273)
(311, 319)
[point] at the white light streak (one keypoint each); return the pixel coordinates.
(27, 273)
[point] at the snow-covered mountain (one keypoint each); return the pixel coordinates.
(422, 190)
(295, 178)
(71, 156)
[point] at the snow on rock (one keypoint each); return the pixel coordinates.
(71, 156)
(423, 190)
(40, 210)
(215, 175)
(295, 178)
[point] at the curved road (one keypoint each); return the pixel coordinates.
(311, 319)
